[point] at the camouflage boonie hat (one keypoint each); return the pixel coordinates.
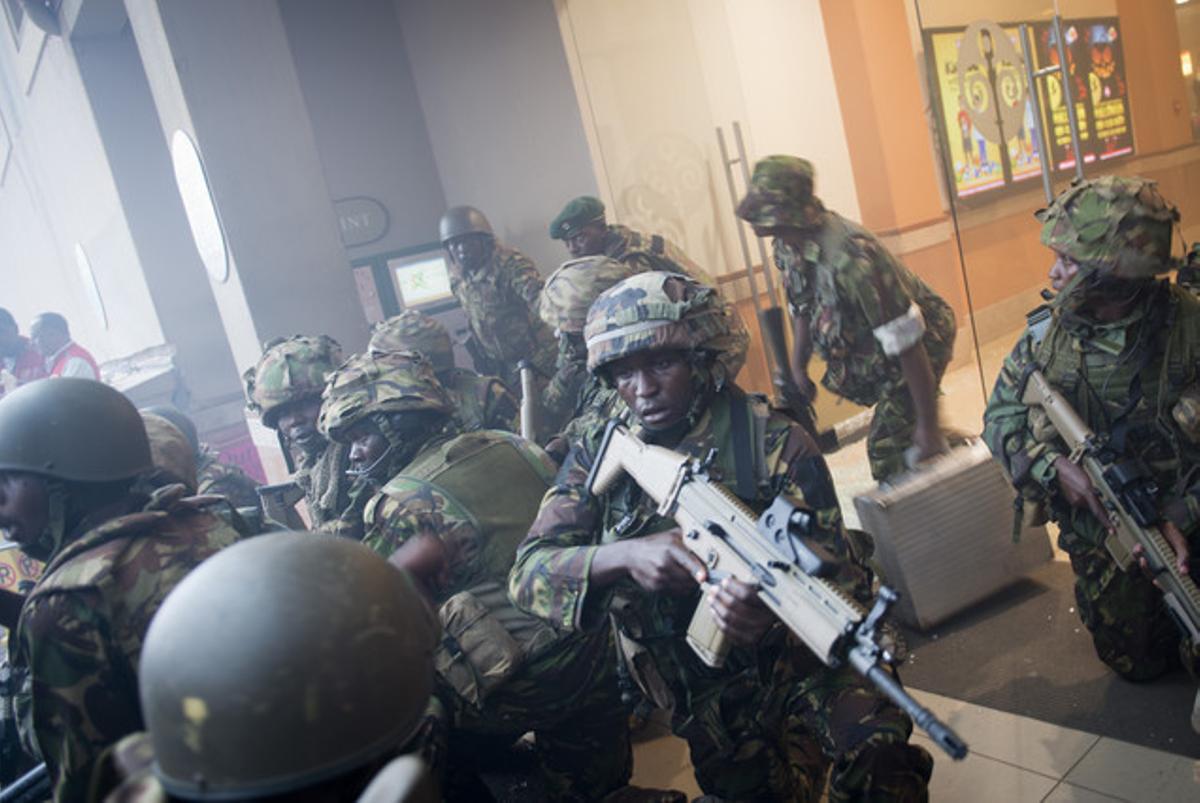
(1112, 224)
(170, 451)
(654, 310)
(413, 330)
(781, 194)
(575, 215)
(289, 370)
(570, 290)
(394, 382)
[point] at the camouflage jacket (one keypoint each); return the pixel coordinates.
(647, 252)
(221, 479)
(851, 290)
(328, 491)
(481, 402)
(1156, 348)
(81, 628)
(551, 575)
(500, 301)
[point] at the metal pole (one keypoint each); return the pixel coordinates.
(772, 299)
(1047, 160)
(1072, 120)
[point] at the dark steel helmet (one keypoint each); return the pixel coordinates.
(78, 430)
(460, 220)
(281, 662)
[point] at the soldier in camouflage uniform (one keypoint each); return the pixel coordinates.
(500, 672)
(284, 389)
(497, 287)
(884, 335)
(213, 478)
(480, 402)
(70, 453)
(758, 728)
(581, 225)
(1123, 349)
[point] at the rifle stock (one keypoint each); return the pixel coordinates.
(279, 503)
(1128, 494)
(768, 551)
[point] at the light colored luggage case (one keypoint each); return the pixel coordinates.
(943, 535)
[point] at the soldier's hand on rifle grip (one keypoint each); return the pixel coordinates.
(661, 562)
(1078, 490)
(739, 612)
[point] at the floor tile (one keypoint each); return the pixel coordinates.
(1137, 773)
(979, 779)
(1069, 793)
(1028, 743)
(663, 763)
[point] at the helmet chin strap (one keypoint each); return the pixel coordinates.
(49, 541)
(367, 472)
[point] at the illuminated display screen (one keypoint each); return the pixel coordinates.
(421, 280)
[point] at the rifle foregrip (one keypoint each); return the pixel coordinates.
(705, 636)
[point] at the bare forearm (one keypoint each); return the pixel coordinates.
(801, 348)
(610, 564)
(918, 376)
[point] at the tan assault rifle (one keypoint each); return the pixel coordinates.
(770, 552)
(1128, 493)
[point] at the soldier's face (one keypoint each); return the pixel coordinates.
(1061, 271)
(297, 421)
(656, 385)
(470, 251)
(588, 241)
(367, 445)
(24, 506)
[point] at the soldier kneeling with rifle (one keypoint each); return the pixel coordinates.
(762, 717)
(1097, 413)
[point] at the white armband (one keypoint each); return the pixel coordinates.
(899, 335)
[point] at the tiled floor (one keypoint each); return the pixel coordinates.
(1013, 759)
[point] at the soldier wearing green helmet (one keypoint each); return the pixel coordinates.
(885, 336)
(284, 389)
(497, 287)
(480, 402)
(766, 726)
(1123, 348)
(500, 672)
(73, 453)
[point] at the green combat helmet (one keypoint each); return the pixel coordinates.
(1117, 226)
(570, 290)
(658, 310)
(367, 384)
(290, 369)
(284, 661)
(462, 220)
(173, 456)
(781, 195)
(413, 330)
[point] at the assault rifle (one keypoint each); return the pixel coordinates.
(279, 503)
(1127, 491)
(32, 786)
(769, 551)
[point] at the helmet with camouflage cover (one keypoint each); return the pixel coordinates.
(570, 290)
(77, 430)
(290, 369)
(658, 310)
(413, 330)
(781, 195)
(1115, 226)
(173, 456)
(461, 220)
(368, 384)
(263, 674)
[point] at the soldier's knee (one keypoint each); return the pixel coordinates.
(883, 771)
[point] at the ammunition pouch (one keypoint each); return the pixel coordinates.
(477, 654)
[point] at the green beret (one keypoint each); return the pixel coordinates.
(575, 215)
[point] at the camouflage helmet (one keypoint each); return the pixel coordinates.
(1114, 225)
(460, 220)
(655, 310)
(281, 662)
(781, 194)
(78, 430)
(393, 382)
(413, 330)
(570, 290)
(290, 369)
(173, 456)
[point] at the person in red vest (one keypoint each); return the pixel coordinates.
(64, 357)
(20, 362)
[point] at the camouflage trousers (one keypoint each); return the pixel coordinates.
(1131, 629)
(570, 700)
(755, 741)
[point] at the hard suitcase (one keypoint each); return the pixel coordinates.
(943, 535)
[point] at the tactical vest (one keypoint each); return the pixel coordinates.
(498, 486)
